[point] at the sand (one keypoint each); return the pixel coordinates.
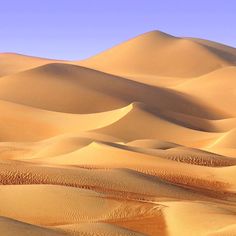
(137, 140)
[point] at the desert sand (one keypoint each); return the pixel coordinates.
(137, 140)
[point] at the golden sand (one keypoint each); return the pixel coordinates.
(137, 140)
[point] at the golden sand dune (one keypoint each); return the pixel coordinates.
(133, 126)
(69, 84)
(157, 53)
(11, 227)
(137, 140)
(11, 63)
(32, 127)
(92, 229)
(183, 218)
(216, 88)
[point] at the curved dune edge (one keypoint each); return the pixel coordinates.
(137, 140)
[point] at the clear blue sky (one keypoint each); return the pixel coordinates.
(76, 29)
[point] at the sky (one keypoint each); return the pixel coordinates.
(77, 29)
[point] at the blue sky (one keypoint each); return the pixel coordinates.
(76, 29)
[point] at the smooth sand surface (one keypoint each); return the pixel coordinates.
(137, 140)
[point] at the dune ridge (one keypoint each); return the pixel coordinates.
(137, 140)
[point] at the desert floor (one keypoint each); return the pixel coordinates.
(137, 140)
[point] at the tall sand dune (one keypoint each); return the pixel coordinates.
(157, 53)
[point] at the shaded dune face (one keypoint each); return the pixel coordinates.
(137, 140)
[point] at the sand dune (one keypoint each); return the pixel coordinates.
(157, 53)
(140, 123)
(11, 227)
(230, 52)
(216, 88)
(91, 229)
(69, 84)
(11, 63)
(27, 120)
(225, 144)
(181, 222)
(137, 140)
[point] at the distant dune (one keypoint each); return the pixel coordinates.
(157, 53)
(137, 140)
